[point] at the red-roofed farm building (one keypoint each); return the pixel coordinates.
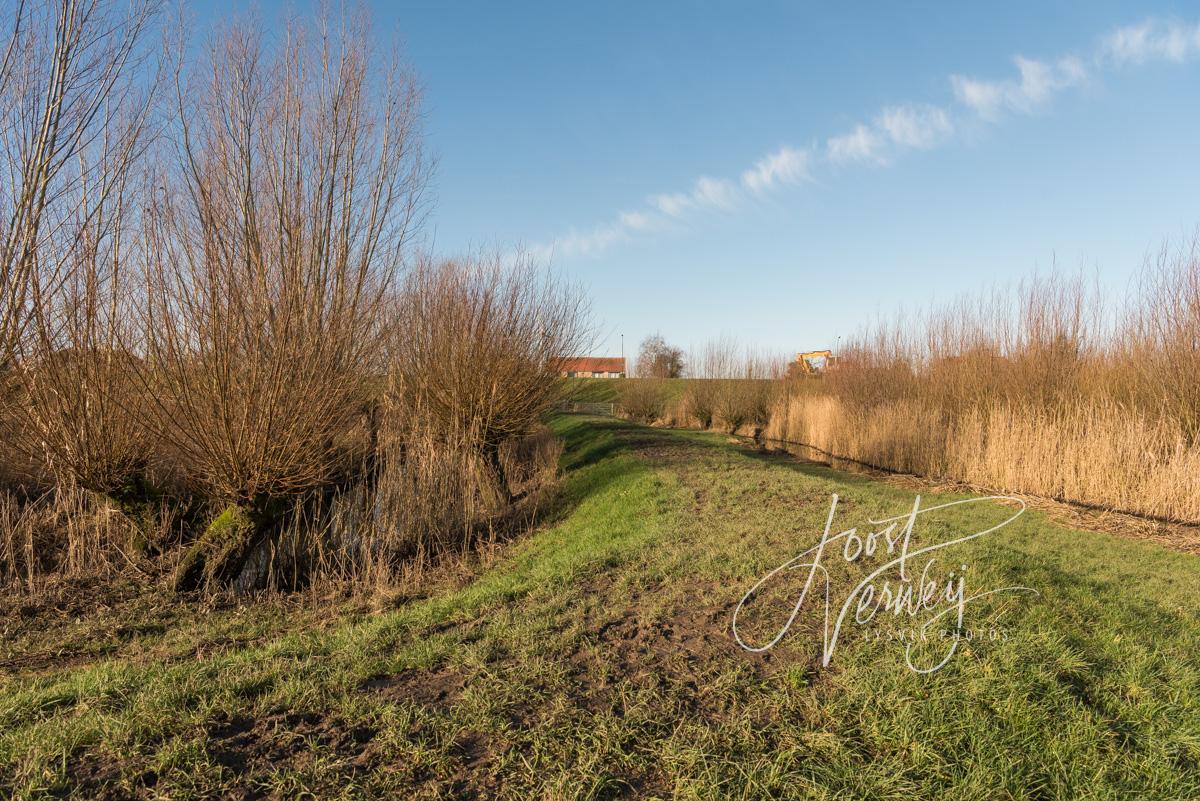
(593, 367)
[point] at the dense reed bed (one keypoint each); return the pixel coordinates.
(1040, 391)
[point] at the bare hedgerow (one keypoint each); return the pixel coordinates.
(295, 188)
(747, 399)
(643, 399)
(714, 362)
(476, 351)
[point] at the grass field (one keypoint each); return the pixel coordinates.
(608, 390)
(593, 659)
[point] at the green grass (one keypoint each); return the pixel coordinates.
(608, 390)
(593, 659)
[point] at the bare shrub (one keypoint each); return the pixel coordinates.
(748, 399)
(430, 501)
(269, 254)
(643, 399)
(242, 325)
(76, 105)
(715, 361)
(77, 98)
(476, 352)
(676, 412)
(701, 400)
(1161, 346)
(80, 408)
(746, 403)
(731, 405)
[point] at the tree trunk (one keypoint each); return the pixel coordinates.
(494, 461)
(218, 558)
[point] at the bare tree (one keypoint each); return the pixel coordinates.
(657, 359)
(72, 105)
(70, 243)
(270, 250)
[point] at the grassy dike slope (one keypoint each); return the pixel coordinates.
(594, 660)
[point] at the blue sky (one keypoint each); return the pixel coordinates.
(784, 172)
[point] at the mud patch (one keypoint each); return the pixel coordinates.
(99, 778)
(439, 687)
(48, 661)
(252, 747)
(474, 752)
(677, 646)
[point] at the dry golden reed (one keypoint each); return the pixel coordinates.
(1039, 392)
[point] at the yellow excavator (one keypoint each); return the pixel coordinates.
(815, 362)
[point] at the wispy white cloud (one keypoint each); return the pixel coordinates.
(673, 205)
(895, 129)
(714, 193)
(786, 165)
(1152, 40)
(1037, 83)
(706, 193)
(861, 144)
(920, 127)
(583, 243)
(637, 221)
